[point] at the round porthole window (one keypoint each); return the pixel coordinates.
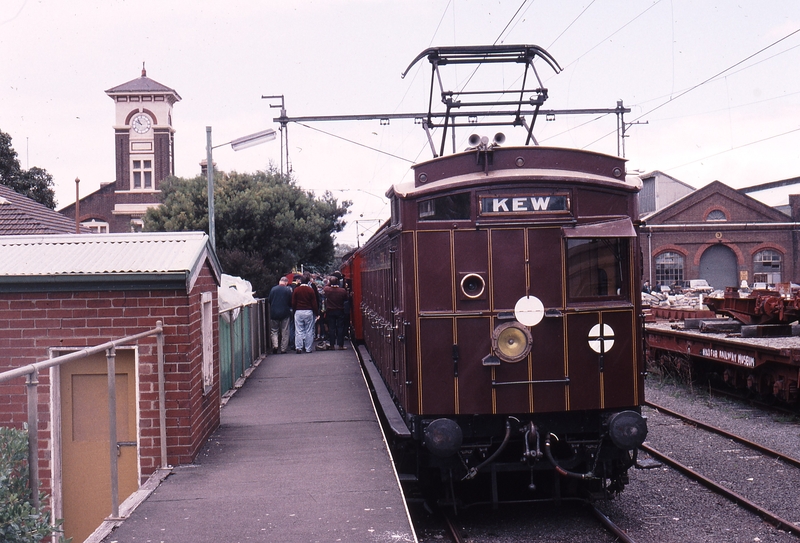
(473, 285)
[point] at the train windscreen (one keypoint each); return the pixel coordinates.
(596, 267)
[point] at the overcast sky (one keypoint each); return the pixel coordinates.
(714, 87)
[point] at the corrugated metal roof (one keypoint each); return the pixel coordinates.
(100, 254)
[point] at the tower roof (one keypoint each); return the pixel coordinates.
(143, 84)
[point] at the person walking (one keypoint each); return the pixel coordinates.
(304, 303)
(293, 285)
(280, 312)
(335, 301)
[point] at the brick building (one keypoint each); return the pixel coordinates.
(721, 235)
(63, 293)
(144, 148)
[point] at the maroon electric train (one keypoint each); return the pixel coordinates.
(500, 307)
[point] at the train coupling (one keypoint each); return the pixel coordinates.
(532, 438)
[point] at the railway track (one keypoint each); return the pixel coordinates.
(610, 526)
(724, 433)
(462, 529)
(719, 472)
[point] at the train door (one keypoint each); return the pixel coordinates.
(84, 443)
(398, 331)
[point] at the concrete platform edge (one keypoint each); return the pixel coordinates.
(385, 442)
(129, 505)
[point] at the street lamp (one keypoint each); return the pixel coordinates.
(237, 145)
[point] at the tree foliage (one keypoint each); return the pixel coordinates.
(20, 521)
(265, 224)
(34, 183)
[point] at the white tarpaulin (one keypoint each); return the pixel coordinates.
(234, 293)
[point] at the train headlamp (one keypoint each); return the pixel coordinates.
(512, 342)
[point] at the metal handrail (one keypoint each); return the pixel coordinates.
(31, 371)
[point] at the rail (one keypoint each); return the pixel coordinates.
(30, 372)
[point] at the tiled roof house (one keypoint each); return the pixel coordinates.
(19, 215)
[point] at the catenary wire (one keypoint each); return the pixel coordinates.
(355, 142)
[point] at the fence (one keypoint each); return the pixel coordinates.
(242, 340)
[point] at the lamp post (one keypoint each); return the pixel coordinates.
(237, 145)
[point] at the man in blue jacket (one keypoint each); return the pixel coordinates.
(280, 312)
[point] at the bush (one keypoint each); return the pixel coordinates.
(20, 521)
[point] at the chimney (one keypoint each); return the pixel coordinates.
(204, 167)
(794, 203)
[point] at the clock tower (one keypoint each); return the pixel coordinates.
(145, 148)
(144, 143)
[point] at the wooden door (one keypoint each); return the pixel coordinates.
(85, 464)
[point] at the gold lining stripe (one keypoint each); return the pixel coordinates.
(602, 373)
(454, 320)
(564, 327)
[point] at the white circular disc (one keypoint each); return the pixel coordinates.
(529, 310)
(597, 344)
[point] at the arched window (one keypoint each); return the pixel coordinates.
(716, 215)
(669, 268)
(767, 267)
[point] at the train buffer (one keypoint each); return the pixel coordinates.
(299, 457)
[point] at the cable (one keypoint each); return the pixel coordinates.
(611, 35)
(690, 89)
(570, 24)
(737, 147)
(355, 142)
(510, 21)
(708, 80)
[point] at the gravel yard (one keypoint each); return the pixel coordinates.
(660, 505)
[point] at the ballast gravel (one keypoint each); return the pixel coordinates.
(661, 505)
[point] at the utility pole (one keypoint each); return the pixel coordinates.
(284, 129)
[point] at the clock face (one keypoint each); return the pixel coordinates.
(141, 123)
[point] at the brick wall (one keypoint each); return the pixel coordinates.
(750, 227)
(745, 243)
(33, 323)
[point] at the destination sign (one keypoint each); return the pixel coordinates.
(524, 204)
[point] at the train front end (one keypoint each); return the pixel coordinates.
(502, 307)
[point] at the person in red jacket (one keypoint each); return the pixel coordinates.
(335, 299)
(306, 310)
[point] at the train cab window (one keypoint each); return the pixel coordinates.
(596, 268)
(454, 207)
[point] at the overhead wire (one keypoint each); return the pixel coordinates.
(552, 43)
(704, 82)
(690, 89)
(617, 31)
(570, 25)
(353, 142)
(744, 68)
(762, 140)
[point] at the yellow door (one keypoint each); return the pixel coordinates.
(86, 478)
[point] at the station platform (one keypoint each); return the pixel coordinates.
(299, 457)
